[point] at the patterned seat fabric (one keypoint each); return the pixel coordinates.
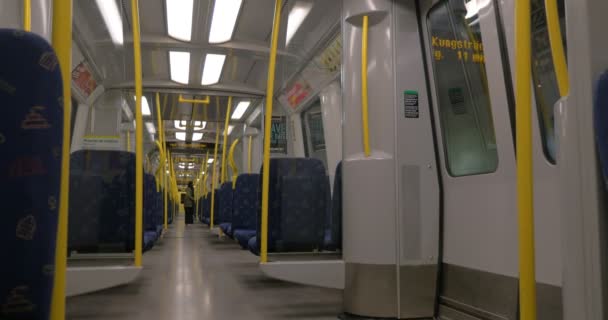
(30, 165)
(108, 211)
(245, 207)
(286, 195)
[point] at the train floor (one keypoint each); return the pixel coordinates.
(191, 274)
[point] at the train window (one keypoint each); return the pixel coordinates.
(314, 136)
(543, 73)
(462, 89)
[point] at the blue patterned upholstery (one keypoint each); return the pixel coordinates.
(111, 216)
(309, 200)
(333, 233)
(601, 123)
(225, 204)
(30, 166)
(244, 210)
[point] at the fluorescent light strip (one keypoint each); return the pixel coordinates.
(225, 13)
(200, 125)
(297, 15)
(113, 19)
(180, 66)
(210, 160)
(179, 19)
(180, 136)
(212, 70)
(197, 136)
(145, 107)
(230, 128)
(181, 125)
(240, 110)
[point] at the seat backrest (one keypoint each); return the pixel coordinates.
(245, 202)
(280, 168)
(115, 210)
(225, 203)
(601, 123)
(31, 125)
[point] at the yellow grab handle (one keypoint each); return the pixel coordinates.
(272, 63)
(364, 101)
(557, 47)
(525, 204)
(62, 43)
(235, 169)
(195, 101)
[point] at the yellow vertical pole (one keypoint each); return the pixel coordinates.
(213, 178)
(364, 101)
(249, 154)
(129, 140)
(62, 42)
(161, 137)
(139, 135)
(27, 15)
(557, 47)
(226, 124)
(525, 204)
(205, 173)
(267, 123)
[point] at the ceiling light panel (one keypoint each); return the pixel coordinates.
(197, 136)
(180, 66)
(212, 70)
(150, 127)
(145, 107)
(180, 136)
(113, 20)
(240, 110)
(225, 14)
(181, 125)
(297, 15)
(179, 19)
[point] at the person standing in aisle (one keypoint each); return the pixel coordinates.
(189, 203)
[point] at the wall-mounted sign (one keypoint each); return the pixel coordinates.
(101, 143)
(298, 92)
(83, 79)
(278, 135)
(410, 101)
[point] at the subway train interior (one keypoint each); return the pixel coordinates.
(304, 159)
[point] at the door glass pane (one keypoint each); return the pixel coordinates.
(462, 88)
(543, 73)
(314, 136)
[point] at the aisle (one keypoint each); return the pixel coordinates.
(192, 275)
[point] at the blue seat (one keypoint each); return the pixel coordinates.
(224, 219)
(298, 201)
(30, 165)
(333, 231)
(245, 206)
(601, 123)
(254, 246)
(112, 215)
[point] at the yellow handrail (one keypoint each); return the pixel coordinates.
(249, 154)
(364, 101)
(226, 124)
(62, 42)
(267, 123)
(557, 47)
(213, 178)
(195, 101)
(27, 15)
(139, 135)
(525, 205)
(129, 140)
(235, 169)
(161, 147)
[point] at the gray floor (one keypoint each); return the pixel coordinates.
(191, 274)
